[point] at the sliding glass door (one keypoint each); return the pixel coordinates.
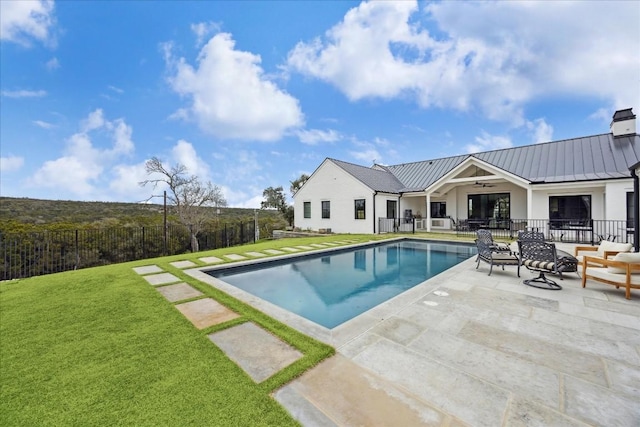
(489, 210)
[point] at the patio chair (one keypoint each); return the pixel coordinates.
(530, 235)
(487, 252)
(623, 270)
(486, 236)
(542, 257)
(604, 250)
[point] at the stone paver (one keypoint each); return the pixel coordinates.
(255, 350)
(318, 245)
(183, 264)
(206, 312)
(147, 269)
(211, 260)
(255, 254)
(362, 398)
(304, 247)
(161, 279)
(274, 252)
(288, 249)
(178, 292)
(235, 257)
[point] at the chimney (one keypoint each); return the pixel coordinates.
(624, 123)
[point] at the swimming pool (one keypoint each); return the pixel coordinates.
(331, 288)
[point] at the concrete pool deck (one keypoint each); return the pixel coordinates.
(465, 348)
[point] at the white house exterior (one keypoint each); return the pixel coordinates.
(587, 179)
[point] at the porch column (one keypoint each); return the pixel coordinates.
(428, 212)
(529, 203)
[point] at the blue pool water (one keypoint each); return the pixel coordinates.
(334, 287)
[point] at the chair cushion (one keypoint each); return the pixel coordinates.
(631, 257)
(607, 246)
(544, 265)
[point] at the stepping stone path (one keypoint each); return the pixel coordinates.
(255, 350)
(273, 252)
(255, 254)
(178, 292)
(259, 353)
(211, 260)
(183, 264)
(148, 269)
(206, 312)
(161, 279)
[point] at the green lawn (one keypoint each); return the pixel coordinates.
(102, 347)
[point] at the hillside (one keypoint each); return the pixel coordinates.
(47, 212)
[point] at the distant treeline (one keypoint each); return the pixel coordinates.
(43, 236)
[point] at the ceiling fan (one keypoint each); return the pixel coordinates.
(483, 184)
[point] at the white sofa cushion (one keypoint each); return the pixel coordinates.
(607, 246)
(604, 273)
(631, 257)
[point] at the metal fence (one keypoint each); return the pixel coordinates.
(33, 254)
(559, 230)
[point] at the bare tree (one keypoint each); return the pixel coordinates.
(186, 193)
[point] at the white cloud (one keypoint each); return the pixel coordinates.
(124, 183)
(491, 56)
(85, 168)
(21, 21)
(229, 95)
(366, 152)
(203, 30)
(184, 153)
(24, 93)
(542, 131)
(11, 163)
(487, 142)
(43, 125)
(116, 89)
(315, 136)
(52, 64)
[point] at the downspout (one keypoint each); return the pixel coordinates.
(636, 217)
(374, 211)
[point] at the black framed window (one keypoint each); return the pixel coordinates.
(490, 206)
(438, 209)
(326, 209)
(631, 209)
(392, 207)
(569, 209)
(307, 209)
(359, 205)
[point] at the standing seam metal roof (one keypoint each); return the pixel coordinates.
(572, 160)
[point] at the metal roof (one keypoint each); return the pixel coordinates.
(588, 158)
(376, 179)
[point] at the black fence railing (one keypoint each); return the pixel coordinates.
(33, 254)
(560, 230)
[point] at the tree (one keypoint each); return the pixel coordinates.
(186, 193)
(274, 198)
(298, 183)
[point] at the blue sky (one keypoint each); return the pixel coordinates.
(251, 94)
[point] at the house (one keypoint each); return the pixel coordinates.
(560, 184)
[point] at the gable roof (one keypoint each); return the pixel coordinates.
(588, 158)
(378, 179)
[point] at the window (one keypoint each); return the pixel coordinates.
(359, 208)
(631, 210)
(438, 209)
(489, 211)
(307, 209)
(569, 209)
(326, 209)
(391, 208)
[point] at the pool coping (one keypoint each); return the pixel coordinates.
(347, 331)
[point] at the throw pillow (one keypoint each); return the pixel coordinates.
(631, 257)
